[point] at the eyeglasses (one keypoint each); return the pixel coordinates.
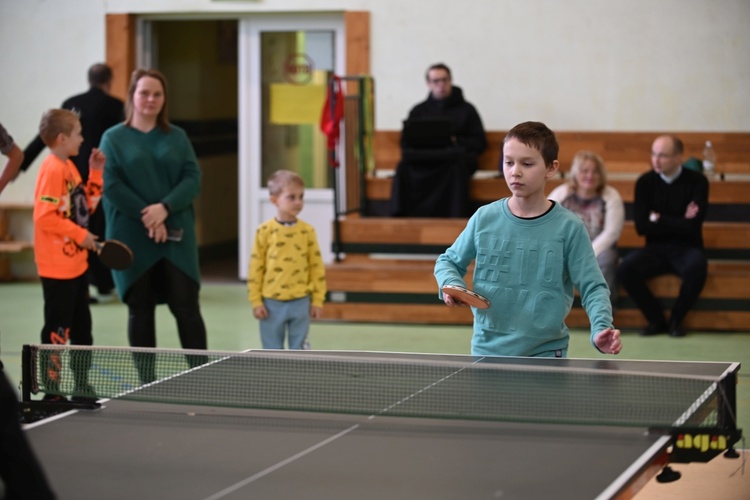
(661, 156)
(440, 80)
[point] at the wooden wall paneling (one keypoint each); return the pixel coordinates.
(120, 50)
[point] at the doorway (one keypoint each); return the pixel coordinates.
(249, 93)
(199, 59)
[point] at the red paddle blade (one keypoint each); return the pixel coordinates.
(115, 254)
(465, 296)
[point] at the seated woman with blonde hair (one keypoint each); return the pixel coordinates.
(599, 206)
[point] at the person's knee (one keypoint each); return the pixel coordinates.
(187, 311)
(183, 300)
(139, 300)
(696, 270)
(623, 272)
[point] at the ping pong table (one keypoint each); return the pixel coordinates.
(364, 430)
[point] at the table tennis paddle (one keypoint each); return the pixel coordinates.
(466, 296)
(114, 254)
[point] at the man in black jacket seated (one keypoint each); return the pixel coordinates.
(434, 182)
(669, 208)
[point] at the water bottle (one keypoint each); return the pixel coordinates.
(709, 158)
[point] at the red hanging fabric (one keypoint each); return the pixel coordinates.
(330, 117)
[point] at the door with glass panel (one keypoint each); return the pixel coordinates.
(285, 63)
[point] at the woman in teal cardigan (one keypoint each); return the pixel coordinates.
(150, 181)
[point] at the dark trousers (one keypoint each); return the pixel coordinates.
(67, 318)
(19, 468)
(181, 292)
(432, 183)
(99, 275)
(689, 263)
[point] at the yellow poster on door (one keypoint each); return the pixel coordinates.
(296, 104)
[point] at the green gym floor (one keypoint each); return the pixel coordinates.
(231, 327)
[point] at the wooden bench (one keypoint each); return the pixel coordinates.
(386, 275)
(386, 235)
(383, 278)
(8, 244)
(625, 153)
(733, 189)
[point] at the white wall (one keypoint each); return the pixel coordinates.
(48, 47)
(673, 65)
(574, 64)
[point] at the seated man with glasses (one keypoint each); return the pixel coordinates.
(440, 143)
(669, 209)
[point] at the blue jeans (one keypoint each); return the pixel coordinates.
(288, 318)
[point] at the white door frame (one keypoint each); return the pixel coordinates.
(254, 203)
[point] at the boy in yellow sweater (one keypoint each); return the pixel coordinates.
(286, 280)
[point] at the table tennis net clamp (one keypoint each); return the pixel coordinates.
(699, 412)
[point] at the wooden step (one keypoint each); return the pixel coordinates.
(726, 280)
(439, 314)
(485, 190)
(15, 246)
(726, 240)
(398, 291)
(697, 319)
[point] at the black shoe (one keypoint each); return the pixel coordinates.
(677, 331)
(54, 398)
(85, 394)
(88, 400)
(653, 329)
(84, 390)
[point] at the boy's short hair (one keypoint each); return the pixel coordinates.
(55, 122)
(538, 136)
(281, 179)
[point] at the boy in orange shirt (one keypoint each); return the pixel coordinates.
(62, 204)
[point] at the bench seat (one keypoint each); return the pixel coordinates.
(386, 276)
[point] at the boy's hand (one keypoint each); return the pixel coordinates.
(316, 312)
(97, 159)
(260, 312)
(608, 341)
(89, 243)
(451, 302)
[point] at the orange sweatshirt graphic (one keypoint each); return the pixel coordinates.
(62, 205)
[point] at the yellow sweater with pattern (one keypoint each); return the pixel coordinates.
(286, 264)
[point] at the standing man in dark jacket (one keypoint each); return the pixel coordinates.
(435, 183)
(98, 111)
(669, 209)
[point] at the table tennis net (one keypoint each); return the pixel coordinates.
(378, 384)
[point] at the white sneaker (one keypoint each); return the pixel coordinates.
(106, 298)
